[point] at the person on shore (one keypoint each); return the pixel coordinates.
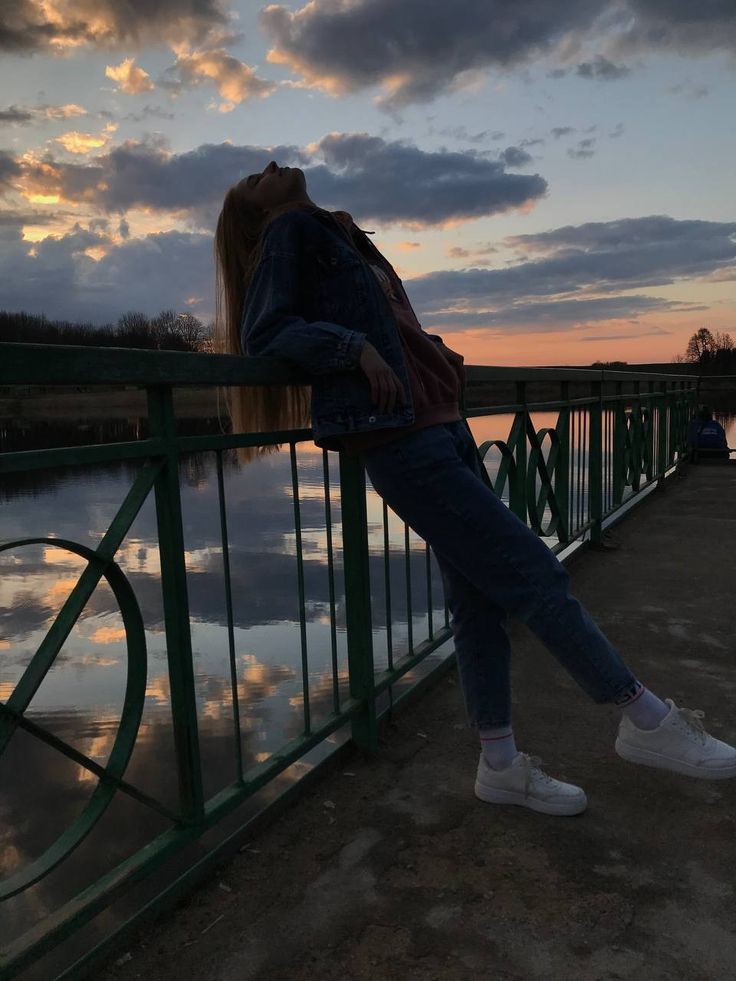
(707, 434)
(304, 284)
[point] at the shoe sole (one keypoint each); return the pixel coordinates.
(494, 795)
(646, 757)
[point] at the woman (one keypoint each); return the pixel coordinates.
(307, 285)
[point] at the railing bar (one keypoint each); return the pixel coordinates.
(175, 594)
(229, 441)
(514, 407)
(387, 586)
(67, 456)
(581, 458)
(407, 559)
(229, 608)
(429, 590)
(609, 444)
(300, 580)
(331, 583)
(574, 476)
(586, 467)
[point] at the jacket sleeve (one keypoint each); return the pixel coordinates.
(272, 325)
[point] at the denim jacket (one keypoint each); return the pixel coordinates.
(313, 300)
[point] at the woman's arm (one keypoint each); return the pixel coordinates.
(272, 324)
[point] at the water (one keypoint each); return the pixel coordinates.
(81, 697)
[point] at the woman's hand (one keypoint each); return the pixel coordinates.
(386, 386)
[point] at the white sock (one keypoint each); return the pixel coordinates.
(499, 747)
(646, 711)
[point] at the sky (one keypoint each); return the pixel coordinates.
(551, 179)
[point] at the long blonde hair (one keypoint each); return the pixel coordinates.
(252, 408)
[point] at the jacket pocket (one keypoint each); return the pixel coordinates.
(340, 281)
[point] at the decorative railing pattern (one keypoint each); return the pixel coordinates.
(602, 443)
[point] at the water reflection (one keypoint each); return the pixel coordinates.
(80, 700)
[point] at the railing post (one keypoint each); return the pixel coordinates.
(176, 608)
(358, 600)
(662, 436)
(595, 463)
(562, 470)
(619, 446)
(517, 482)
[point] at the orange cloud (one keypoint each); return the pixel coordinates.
(76, 142)
(131, 79)
(407, 246)
(68, 111)
(108, 635)
(60, 590)
(65, 26)
(235, 81)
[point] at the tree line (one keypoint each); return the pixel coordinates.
(167, 331)
(171, 331)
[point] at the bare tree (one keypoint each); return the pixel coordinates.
(700, 346)
(190, 330)
(723, 341)
(163, 328)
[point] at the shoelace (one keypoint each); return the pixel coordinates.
(533, 765)
(692, 717)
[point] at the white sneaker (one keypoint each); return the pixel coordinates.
(679, 743)
(524, 783)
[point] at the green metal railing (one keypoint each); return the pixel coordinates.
(604, 441)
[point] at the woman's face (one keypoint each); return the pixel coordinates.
(274, 186)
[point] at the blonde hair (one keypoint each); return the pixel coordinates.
(252, 408)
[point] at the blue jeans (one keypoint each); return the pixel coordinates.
(492, 566)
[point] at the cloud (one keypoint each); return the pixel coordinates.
(690, 90)
(61, 278)
(652, 233)
(413, 56)
(395, 182)
(416, 55)
(235, 81)
(462, 133)
(576, 264)
(602, 70)
(558, 288)
(570, 275)
(390, 182)
(14, 115)
(27, 114)
(552, 315)
(131, 79)
(514, 156)
(147, 112)
(9, 169)
(62, 26)
(583, 150)
(559, 131)
(81, 143)
(677, 26)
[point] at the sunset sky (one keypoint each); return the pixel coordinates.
(553, 180)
